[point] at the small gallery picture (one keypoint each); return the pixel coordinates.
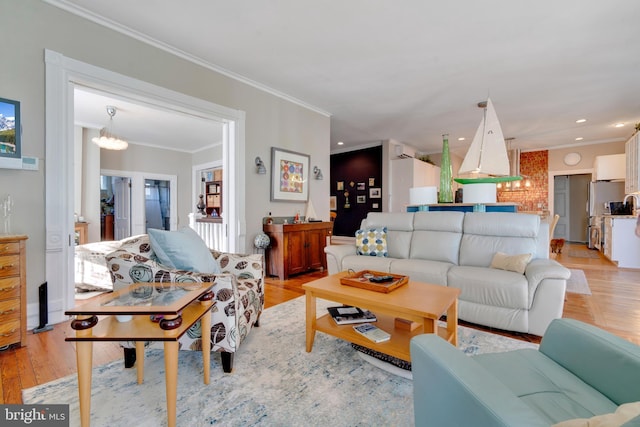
(372, 182)
(361, 186)
(361, 199)
(375, 193)
(333, 203)
(340, 186)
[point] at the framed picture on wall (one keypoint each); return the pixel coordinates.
(361, 186)
(289, 176)
(10, 144)
(375, 193)
(333, 203)
(361, 199)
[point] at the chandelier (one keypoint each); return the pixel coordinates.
(107, 139)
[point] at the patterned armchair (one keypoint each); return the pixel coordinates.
(239, 293)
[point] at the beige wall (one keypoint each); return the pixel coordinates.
(588, 153)
(33, 26)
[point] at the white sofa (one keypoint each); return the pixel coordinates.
(456, 249)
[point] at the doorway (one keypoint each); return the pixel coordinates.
(115, 207)
(61, 75)
(570, 201)
(157, 204)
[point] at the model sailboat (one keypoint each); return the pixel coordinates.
(487, 158)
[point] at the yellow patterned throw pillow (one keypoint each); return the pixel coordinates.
(372, 242)
(516, 263)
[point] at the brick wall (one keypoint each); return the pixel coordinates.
(534, 166)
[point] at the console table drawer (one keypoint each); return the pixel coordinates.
(10, 332)
(9, 288)
(9, 248)
(9, 310)
(9, 265)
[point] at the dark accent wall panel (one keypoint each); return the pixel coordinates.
(359, 172)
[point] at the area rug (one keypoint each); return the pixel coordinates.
(274, 382)
(577, 283)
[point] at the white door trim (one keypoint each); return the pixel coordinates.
(552, 175)
(61, 75)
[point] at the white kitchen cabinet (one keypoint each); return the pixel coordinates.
(632, 154)
(407, 173)
(621, 245)
(610, 167)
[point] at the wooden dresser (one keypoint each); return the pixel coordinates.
(296, 248)
(13, 290)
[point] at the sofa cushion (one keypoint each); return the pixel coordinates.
(422, 270)
(183, 250)
(624, 413)
(359, 263)
(515, 263)
(399, 231)
(436, 236)
(372, 242)
(488, 233)
(496, 288)
(546, 387)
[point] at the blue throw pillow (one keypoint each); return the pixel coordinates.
(372, 242)
(183, 250)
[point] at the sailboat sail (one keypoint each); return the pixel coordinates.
(487, 154)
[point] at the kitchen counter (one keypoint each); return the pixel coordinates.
(620, 216)
(621, 245)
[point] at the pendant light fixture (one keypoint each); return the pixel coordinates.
(108, 140)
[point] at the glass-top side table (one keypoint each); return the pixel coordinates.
(180, 305)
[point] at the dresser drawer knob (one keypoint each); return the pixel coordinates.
(6, 266)
(8, 334)
(8, 288)
(11, 310)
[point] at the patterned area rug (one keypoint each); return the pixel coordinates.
(274, 382)
(577, 283)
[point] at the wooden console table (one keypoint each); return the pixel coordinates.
(296, 248)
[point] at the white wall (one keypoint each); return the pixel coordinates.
(33, 26)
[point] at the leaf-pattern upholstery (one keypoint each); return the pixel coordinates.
(239, 290)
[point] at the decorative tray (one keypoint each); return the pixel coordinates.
(362, 279)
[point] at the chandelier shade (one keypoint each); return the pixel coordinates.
(107, 139)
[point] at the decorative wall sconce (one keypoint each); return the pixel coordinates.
(260, 169)
(317, 172)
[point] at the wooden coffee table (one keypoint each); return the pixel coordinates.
(181, 304)
(417, 302)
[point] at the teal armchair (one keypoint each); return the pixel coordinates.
(579, 371)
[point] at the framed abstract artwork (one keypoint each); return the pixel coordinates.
(289, 176)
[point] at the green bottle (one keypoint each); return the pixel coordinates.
(446, 179)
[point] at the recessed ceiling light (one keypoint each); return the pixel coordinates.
(579, 138)
(340, 143)
(581, 120)
(461, 138)
(619, 125)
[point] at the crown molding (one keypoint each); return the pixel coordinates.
(101, 20)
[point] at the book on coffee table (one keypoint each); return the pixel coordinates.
(372, 332)
(346, 315)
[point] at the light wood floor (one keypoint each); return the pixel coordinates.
(614, 306)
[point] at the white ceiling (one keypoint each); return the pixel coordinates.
(412, 70)
(147, 124)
